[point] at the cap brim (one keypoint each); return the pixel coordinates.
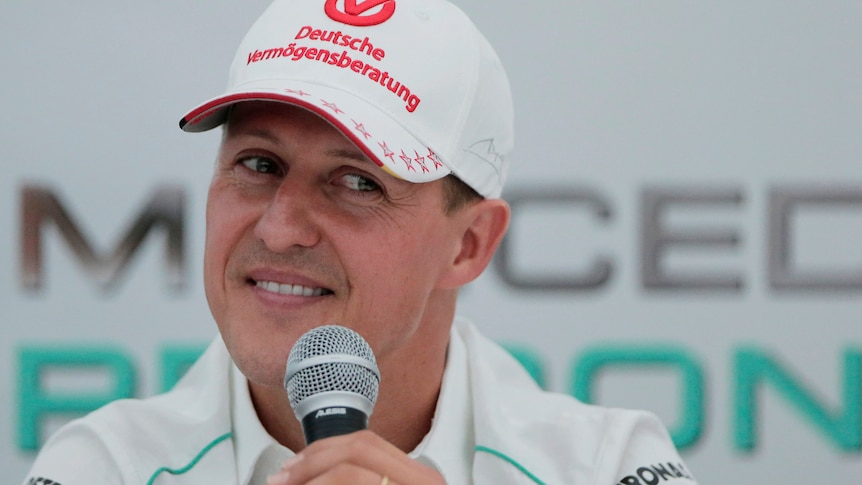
(381, 138)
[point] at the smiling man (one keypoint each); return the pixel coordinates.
(358, 183)
(303, 230)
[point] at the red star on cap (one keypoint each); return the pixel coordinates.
(361, 129)
(421, 161)
(407, 161)
(332, 106)
(433, 157)
(298, 93)
(387, 152)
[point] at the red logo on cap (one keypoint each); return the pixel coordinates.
(355, 12)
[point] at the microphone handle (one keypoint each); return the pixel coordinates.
(332, 421)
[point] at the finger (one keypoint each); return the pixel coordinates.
(362, 449)
(339, 474)
(348, 473)
(368, 437)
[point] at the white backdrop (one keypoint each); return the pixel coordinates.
(638, 124)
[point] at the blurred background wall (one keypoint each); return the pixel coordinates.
(687, 187)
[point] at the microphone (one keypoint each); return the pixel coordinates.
(331, 381)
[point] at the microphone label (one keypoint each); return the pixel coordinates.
(329, 412)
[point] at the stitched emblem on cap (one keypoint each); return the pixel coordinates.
(485, 150)
(433, 157)
(360, 129)
(360, 13)
(407, 161)
(387, 152)
(299, 93)
(421, 161)
(332, 106)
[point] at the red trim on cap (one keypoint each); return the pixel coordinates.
(202, 112)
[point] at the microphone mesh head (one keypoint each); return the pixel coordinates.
(324, 376)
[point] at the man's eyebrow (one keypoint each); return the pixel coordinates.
(265, 134)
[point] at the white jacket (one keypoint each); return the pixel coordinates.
(521, 434)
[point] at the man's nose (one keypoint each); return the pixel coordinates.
(290, 217)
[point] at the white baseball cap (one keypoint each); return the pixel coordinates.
(412, 83)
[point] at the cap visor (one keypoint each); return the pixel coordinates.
(382, 139)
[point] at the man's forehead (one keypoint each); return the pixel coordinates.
(261, 120)
(258, 114)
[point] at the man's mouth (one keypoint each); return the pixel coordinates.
(288, 289)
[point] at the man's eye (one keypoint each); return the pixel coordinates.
(358, 182)
(260, 165)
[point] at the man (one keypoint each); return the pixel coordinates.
(358, 183)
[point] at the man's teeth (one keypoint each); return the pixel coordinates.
(283, 289)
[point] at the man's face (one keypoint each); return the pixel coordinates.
(303, 230)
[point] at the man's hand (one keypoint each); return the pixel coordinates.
(357, 458)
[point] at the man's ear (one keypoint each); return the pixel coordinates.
(485, 224)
